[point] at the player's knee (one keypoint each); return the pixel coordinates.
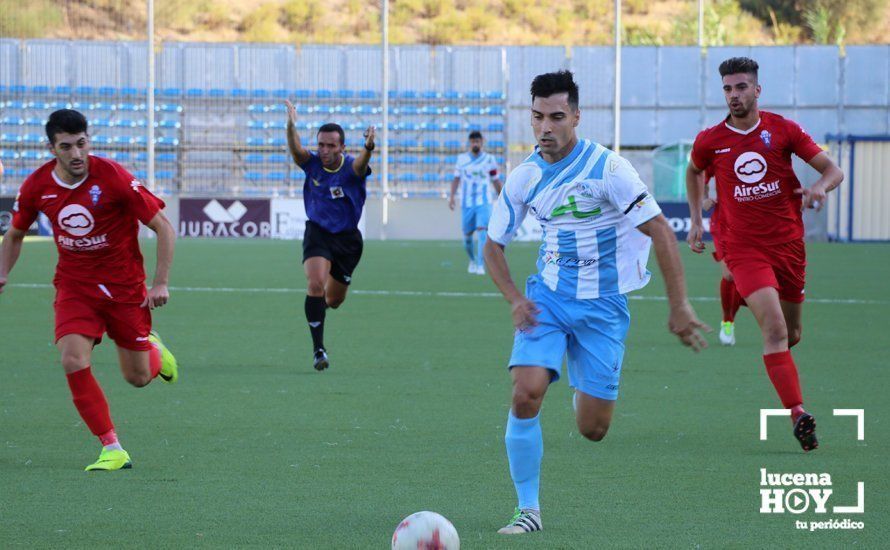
(334, 303)
(526, 401)
(315, 287)
(594, 433)
(793, 337)
(775, 333)
(73, 361)
(138, 379)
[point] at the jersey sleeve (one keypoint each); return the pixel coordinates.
(311, 165)
(627, 193)
(457, 171)
(802, 144)
(509, 210)
(137, 199)
(24, 209)
(702, 155)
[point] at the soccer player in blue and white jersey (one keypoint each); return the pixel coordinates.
(334, 194)
(599, 222)
(476, 172)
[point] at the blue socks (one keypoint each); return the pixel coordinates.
(525, 448)
(480, 246)
(468, 245)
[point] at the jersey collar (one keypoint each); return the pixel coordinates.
(67, 185)
(742, 132)
(342, 160)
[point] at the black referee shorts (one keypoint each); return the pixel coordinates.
(343, 250)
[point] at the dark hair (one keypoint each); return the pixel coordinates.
(333, 127)
(545, 85)
(68, 121)
(739, 65)
(475, 134)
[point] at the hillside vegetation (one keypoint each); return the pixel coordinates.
(492, 22)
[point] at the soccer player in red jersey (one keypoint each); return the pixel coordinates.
(95, 207)
(730, 299)
(761, 227)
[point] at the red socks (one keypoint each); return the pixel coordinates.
(783, 374)
(90, 402)
(154, 361)
(730, 299)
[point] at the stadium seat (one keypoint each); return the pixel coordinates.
(123, 140)
(102, 140)
(216, 92)
(474, 110)
(452, 126)
(473, 94)
(107, 91)
(451, 110)
(431, 159)
(276, 125)
(238, 92)
(12, 121)
(167, 141)
(302, 94)
(324, 94)
(41, 90)
(275, 176)
(451, 94)
(164, 174)
(495, 95)
(120, 156)
(8, 155)
(16, 105)
(345, 94)
(496, 144)
(473, 127)
(430, 144)
(253, 176)
(254, 158)
(18, 89)
(496, 127)
(34, 121)
(130, 92)
(194, 92)
(407, 159)
(431, 177)
(259, 93)
(431, 94)
(10, 138)
(367, 94)
(140, 174)
(168, 108)
(84, 90)
(280, 94)
(277, 158)
(278, 141)
(171, 92)
(256, 124)
(453, 144)
(165, 157)
(22, 172)
(62, 90)
(32, 138)
(406, 177)
(408, 94)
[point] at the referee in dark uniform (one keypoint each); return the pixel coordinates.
(334, 195)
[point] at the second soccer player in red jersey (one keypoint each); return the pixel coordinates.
(761, 228)
(95, 207)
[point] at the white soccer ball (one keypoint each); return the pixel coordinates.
(425, 531)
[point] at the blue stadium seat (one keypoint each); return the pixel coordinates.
(31, 155)
(168, 108)
(496, 110)
(345, 94)
(141, 156)
(16, 105)
(107, 91)
(102, 140)
(259, 93)
(431, 177)
(84, 90)
(140, 174)
(34, 121)
(275, 176)
(407, 159)
(453, 144)
(164, 174)
(473, 127)
(276, 125)
(167, 141)
(62, 90)
(277, 158)
(324, 94)
(410, 126)
(128, 92)
(297, 175)
(171, 92)
(22, 172)
(406, 110)
(408, 94)
(167, 124)
(40, 90)
(496, 127)
(125, 123)
(431, 159)
(430, 144)
(216, 92)
(431, 94)
(367, 94)
(120, 156)
(473, 94)
(276, 108)
(194, 92)
(302, 94)
(128, 107)
(256, 108)
(8, 155)
(140, 140)
(407, 177)
(18, 89)
(32, 138)
(101, 122)
(496, 144)
(447, 176)
(303, 109)
(253, 158)
(495, 95)
(452, 126)
(451, 110)
(165, 157)
(256, 124)
(451, 94)
(123, 140)
(407, 143)
(12, 121)
(238, 92)
(278, 141)
(253, 176)
(280, 94)
(473, 110)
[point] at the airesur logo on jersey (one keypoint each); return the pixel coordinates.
(750, 168)
(811, 495)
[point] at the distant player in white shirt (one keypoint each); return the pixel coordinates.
(599, 221)
(476, 172)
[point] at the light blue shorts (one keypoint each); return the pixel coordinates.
(590, 332)
(475, 217)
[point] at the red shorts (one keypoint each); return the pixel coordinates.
(92, 309)
(780, 266)
(718, 248)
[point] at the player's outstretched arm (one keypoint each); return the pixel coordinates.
(10, 249)
(159, 294)
(300, 155)
(695, 194)
(524, 311)
(682, 321)
(832, 176)
(360, 164)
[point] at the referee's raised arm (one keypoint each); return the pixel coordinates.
(360, 164)
(297, 152)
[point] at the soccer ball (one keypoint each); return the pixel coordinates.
(425, 531)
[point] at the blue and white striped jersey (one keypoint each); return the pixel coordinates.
(476, 174)
(589, 205)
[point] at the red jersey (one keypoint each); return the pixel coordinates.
(755, 180)
(95, 221)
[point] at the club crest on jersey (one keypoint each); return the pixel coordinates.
(336, 192)
(135, 184)
(95, 193)
(765, 137)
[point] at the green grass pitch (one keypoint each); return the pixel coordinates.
(254, 448)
